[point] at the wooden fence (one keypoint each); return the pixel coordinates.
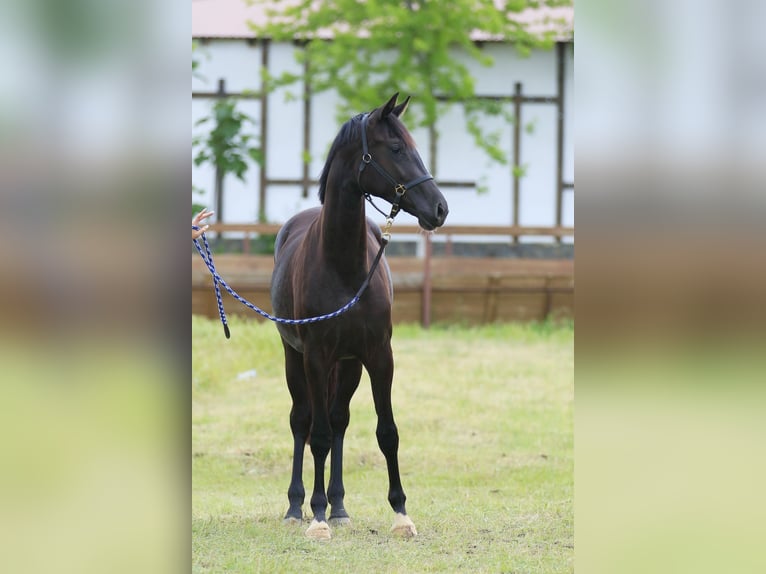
(426, 289)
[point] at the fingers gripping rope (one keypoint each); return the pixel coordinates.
(207, 257)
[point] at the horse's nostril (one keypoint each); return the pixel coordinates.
(441, 213)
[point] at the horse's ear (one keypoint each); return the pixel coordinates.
(401, 108)
(389, 106)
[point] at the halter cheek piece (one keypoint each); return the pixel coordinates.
(399, 188)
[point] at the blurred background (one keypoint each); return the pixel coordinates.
(670, 313)
(94, 337)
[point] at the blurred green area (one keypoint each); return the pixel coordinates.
(92, 475)
(670, 469)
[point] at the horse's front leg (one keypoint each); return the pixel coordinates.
(318, 371)
(380, 366)
(300, 423)
(348, 374)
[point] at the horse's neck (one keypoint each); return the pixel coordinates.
(344, 228)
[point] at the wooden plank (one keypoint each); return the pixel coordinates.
(263, 265)
(254, 228)
(407, 306)
(465, 290)
(521, 307)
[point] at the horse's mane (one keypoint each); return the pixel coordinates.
(351, 132)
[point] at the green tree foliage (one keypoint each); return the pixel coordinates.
(226, 146)
(380, 47)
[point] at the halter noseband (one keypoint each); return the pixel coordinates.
(399, 188)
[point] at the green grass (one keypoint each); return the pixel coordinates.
(486, 452)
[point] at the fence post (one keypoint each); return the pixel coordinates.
(560, 55)
(221, 93)
(306, 126)
(516, 153)
(426, 299)
(264, 98)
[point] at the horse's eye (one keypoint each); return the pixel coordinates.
(395, 148)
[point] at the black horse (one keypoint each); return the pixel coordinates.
(322, 256)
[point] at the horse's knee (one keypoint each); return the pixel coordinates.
(339, 420)
(388, 437)
(300, 419)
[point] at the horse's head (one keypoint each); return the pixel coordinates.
(391, 167)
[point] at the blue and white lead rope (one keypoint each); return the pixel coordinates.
(207, 257)
(216, 279)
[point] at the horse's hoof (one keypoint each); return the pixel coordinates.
(291, 521)
(319, 531)
(403, 526)
(340, 521)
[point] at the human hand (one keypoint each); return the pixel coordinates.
(197, 221)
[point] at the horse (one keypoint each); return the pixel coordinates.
(321, 257)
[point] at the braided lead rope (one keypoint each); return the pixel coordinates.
(209, 262)
(208, 259)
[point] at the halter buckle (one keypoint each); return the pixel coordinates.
(387, 229)
(366, 158)
(400, 190)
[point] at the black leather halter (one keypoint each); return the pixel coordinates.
(399, 188)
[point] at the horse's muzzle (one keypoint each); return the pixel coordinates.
(441, 213)
(437, 219)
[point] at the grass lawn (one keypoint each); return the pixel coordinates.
(486, 453)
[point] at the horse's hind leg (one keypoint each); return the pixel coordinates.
(300, 423)
(381, 370)
(348, 374)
